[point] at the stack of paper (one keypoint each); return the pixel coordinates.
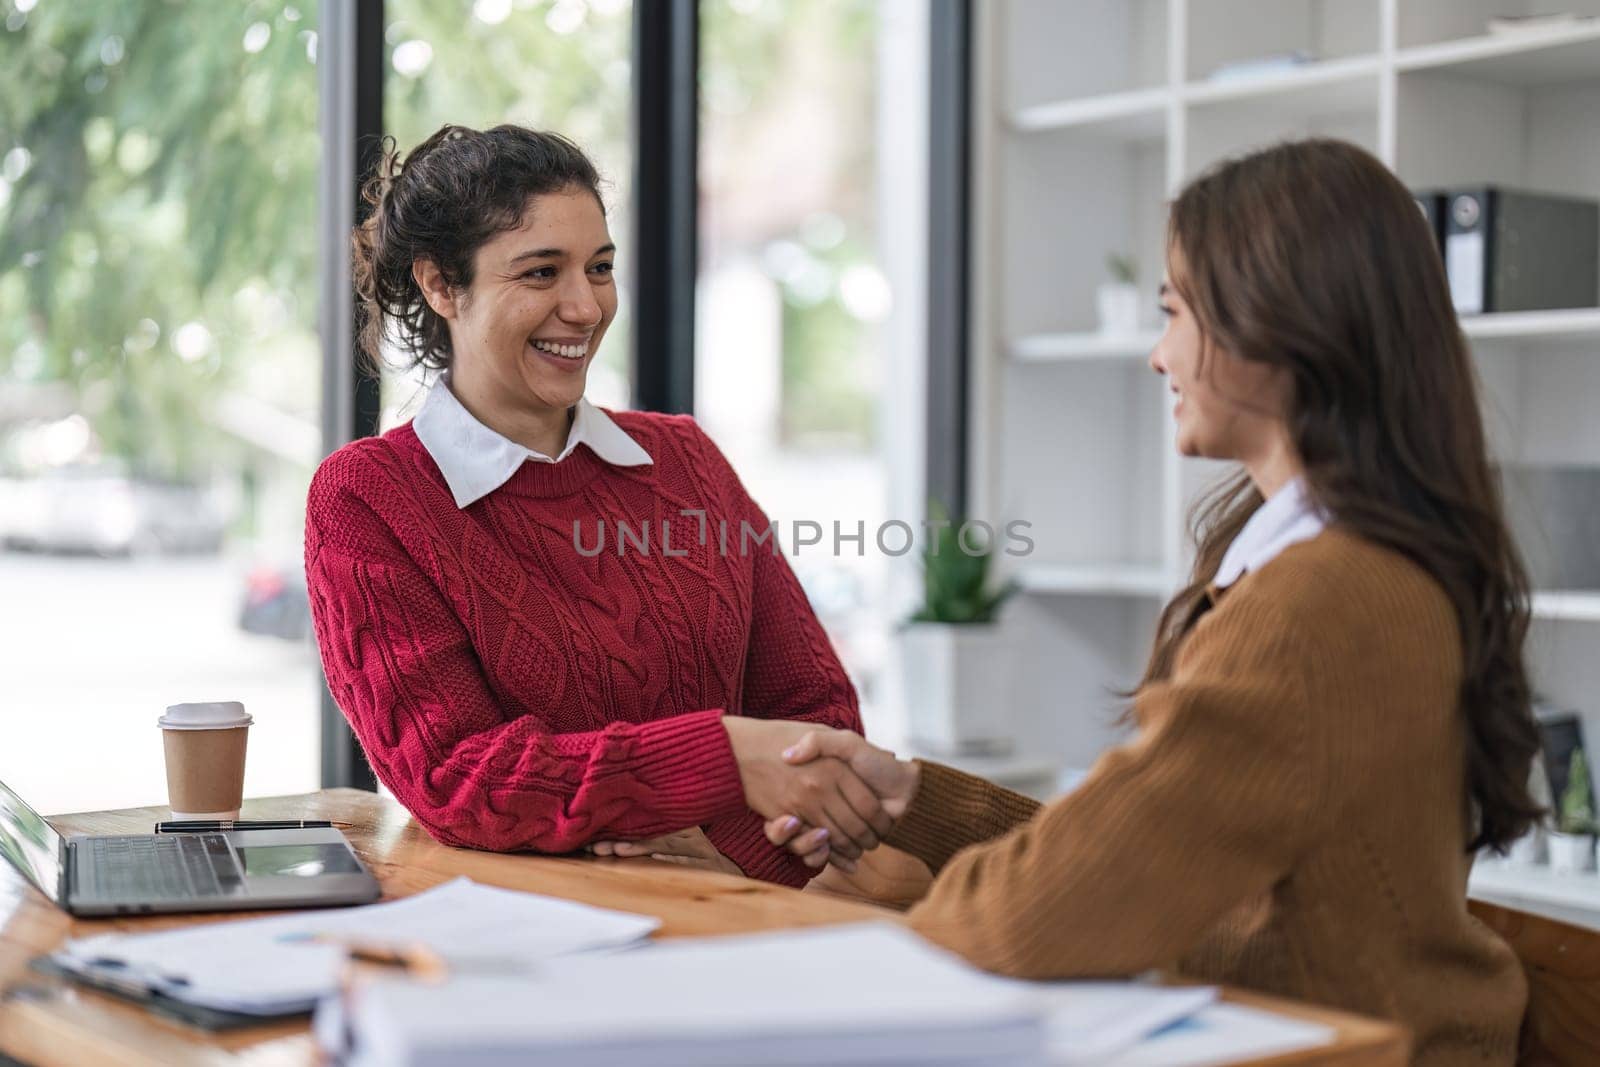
(864, 994)
(283, 964)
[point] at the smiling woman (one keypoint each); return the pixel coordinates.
(513, 691)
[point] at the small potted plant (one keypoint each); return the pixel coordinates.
(1572, 845)
(956, 664)
(1118, 299)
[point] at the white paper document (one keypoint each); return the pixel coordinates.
(870, 993)
(1088, 1022)
(1220, 1034)
(865, 993)
(271, 966)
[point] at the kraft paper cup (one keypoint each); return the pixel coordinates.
(205, 747)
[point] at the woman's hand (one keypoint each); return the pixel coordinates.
(824, 792)
(687, 848)
(810, 843)
(893, 781)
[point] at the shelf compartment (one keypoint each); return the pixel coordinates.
(1525, 58)
(1338, 98)
(1072, 347)
(1223, 33)
(1107, 197)
(1139, 115)
(1145, 581)
(1056, 454)
(1046, 50)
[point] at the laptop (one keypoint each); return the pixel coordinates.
(135, 874)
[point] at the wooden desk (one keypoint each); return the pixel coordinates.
(48, 1022)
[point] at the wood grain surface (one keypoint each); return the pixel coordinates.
(1562, 964)
(51, 1022)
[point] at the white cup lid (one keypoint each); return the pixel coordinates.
(216, 715)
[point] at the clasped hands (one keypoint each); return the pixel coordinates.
(827, 795)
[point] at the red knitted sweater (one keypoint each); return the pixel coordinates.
(515, 692)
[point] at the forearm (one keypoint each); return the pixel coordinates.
(518, 789)
(951, 811)
(741, 838)
(1125, 873)
(404, 673)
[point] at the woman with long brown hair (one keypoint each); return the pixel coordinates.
(1335, 716)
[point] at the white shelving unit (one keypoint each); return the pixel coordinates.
(1580, 325)
(1567, 607)
(1138, 114)
(1568, 897)
(1088, 580)
(1528, 57)
(1531, 327)
(1089, 116)
(1047, 347)
(1332, 82)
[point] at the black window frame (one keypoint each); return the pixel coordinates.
(350, 53)
(947, 429)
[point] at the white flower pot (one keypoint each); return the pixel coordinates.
(1570, 853)
(958, 688)
(1118, 303)
(1528, 850)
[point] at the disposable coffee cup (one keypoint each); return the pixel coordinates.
(205, 758)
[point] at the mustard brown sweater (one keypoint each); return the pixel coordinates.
(1291, 817)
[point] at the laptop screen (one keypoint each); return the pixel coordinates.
(30, 844)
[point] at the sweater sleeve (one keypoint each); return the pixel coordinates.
(791, 669)
(1210, 805)
(953, 810)
(402, 668)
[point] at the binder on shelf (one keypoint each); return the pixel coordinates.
(1508, 250)
(1432, 204)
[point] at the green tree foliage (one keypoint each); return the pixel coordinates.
(160, 170)
(781, 76)
(159, 194)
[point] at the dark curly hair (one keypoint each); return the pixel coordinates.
(454, 192)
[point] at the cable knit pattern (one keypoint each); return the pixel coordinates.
(516, 693)
(1291, 817)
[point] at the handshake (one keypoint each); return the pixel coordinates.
(827, 795)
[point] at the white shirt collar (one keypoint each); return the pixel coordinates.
(476, 460)
(1287, 518)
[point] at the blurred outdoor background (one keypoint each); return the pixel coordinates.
(160, 366)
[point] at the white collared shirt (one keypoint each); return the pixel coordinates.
(1286, 519)
(476, 460)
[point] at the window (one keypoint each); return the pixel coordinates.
(792, 297)
(563, 66)
(159, 386)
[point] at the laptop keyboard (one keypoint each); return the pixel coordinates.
(160, 867)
